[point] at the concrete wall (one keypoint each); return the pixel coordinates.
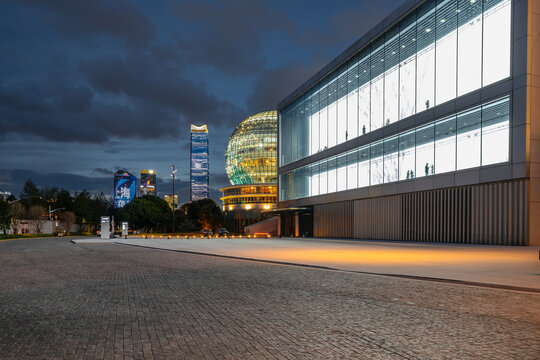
(268, 226)
(533, 112)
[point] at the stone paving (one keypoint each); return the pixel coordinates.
(109, 301)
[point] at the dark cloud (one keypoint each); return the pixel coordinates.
(13, 180)
(273, 85)
(148, 84)
(103, 171)
(155, 102)
(229, 34)
(87, 19)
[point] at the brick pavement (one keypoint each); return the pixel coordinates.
(94, 301)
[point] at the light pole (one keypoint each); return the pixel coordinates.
(50, 217)
(173, 174)
(53, 211)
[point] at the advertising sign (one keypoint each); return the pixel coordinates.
(124, 188)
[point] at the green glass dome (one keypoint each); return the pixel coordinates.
(251, 156)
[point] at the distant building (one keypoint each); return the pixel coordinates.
(148, 182)
(199, 170)
(251, 165)
(172, 203)
(5, 194)
(125, 188)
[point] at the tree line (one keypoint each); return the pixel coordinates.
(147, 213)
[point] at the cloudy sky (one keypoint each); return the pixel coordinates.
(89, 87)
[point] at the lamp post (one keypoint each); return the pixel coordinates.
(173, 174)
(53, 211)
(50, 217)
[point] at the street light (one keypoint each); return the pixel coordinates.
(24, 197)
(173, 174)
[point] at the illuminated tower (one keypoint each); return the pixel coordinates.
(199, 170)
(148, 182)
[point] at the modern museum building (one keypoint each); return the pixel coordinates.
(426, 129)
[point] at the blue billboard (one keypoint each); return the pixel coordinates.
(125, 187)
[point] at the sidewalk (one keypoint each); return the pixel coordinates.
(491, 265)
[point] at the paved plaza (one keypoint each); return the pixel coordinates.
(506, 266)
(94, 301)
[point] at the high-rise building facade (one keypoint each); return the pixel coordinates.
(148, 182)
(172, 201)
(200, 168)
(425, 129)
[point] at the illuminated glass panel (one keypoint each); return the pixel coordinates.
(406, 155)
(425, 75)
(377, 168)
(251, 151)
(469, 45)
(468, 139)
(391, 159)
(425, 151)
(352, 99)
(364, 172)
(391, 77)
(446, 49)
(364, 95)
(445, 145)
(497, 26)
(332, 112)
(341, 172)
(495, 133)
(352, 170)
(342, 133)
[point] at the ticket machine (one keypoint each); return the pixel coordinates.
(105, 228)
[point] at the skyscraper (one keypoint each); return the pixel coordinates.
(199, 169)
(148, 182)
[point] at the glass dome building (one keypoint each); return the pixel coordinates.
(251, 156)
(251, 165)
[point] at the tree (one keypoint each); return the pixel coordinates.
(69, 219)
(30, 194)
(5, 215)
(64, 200)
(147, 212)
(36, 214)
(206, 213)
(18, 213)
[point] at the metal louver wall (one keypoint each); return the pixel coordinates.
(494, 214)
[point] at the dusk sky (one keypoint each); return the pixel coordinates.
(89, 87)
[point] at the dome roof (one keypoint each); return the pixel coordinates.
(251, 156)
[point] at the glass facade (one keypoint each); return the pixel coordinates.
(442, 50)
(251, 155)
(476, 137)
(199, 170)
